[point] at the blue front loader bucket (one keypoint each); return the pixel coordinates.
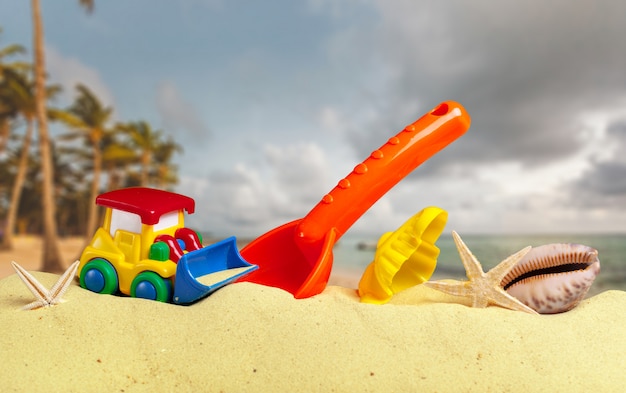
(202, 272)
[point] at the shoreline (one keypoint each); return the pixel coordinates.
(27, 253)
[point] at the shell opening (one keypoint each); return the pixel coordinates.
(565, 268)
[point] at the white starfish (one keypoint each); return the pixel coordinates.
(46, 298)
(483, 288)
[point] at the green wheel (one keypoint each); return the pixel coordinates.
(99, 276)
(149, 285)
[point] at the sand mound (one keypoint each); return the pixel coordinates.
(247, 337)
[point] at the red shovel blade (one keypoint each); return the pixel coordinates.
(297, 256)
(302, 271)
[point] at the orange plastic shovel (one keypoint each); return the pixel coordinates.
(298, 256)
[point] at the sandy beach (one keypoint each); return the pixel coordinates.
(251, 338)
(27, 252)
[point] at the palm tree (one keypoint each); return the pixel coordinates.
(12, 50)
(88, 5)
(51, 253)
(88, 118)
(73, 197)
(19, 93)
(116, 157)
(28, 217)
(145, 141)
(6, 113)
(165, 172)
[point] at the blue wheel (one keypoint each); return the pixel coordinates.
(99, 276)
(149, 285)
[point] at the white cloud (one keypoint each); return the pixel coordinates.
(524, 75)
(247, 200)
(177, 113)
(299, 171)
(70, 71)
(539, 81)
(331, 120)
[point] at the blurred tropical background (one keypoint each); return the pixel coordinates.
(257, 109)
(49, 184)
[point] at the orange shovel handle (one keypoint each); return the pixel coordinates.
(383, 169)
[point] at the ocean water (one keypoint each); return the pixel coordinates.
(491, 250)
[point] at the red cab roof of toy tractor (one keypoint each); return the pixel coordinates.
(150, 204)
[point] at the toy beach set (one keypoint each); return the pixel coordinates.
(144, 250)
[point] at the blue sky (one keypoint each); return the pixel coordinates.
(276, 101)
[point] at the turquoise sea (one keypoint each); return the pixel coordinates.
(491, 250)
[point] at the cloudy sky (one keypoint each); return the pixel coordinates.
(275, 101)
